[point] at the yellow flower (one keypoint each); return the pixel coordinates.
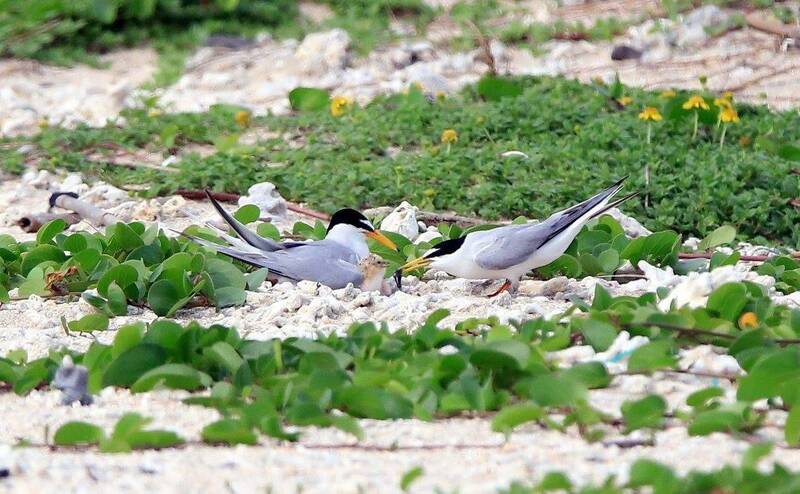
(154, 112)
(242, 118)
(650, 113)
(449, 136)
(669, 93)
(339, 105)
(748, 320)
(695, 102)
(727, 95)
(625, 100)
(728, 115)
(722, 102)
(43, 123)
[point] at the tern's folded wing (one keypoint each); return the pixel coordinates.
(511, 245)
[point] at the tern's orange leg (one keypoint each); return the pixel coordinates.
(503, 288)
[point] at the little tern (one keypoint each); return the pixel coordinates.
(333, 261)
(508, 252)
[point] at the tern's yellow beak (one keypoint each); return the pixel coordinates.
(381, 239)
(413, 264)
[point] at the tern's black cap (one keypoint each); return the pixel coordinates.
(350, 217)
(446, 247)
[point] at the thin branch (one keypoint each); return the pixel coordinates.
(199, 195)
(711, 375)
(683, 330)
(771, 25)
(704, 332)
(707, 255)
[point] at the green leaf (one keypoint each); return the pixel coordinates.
(711, 421)
(645, 413)
(512, 416)
(40, 254)
(657, 248)
(728, 300)
(225, 356)
(768, 376)
(117, 301)
(593, 375)
(701, 398)
(373, 402)
(256, 279)
(78, 433)
(721, 236)
(131, 365)
(410, 476)
(652, 356)
(104, 11)
(227, 5)
(309, 99)
(228, 431)
(268, 230)
(89, 323)
(49, 230)
(228, 296)
(123, 275)
(126, 338)
(555, 481)
(565, 265)
(494, 88)
(226, 143)
(600, 335)
(249, 213)
(555, 390)
(792, 427)
(755, 454)
(224, 274)
(648, 472)
(789, 152)
(154, 439)
(502, 355)
(173, 376)
(162, 297)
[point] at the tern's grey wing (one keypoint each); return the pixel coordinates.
(508, 246)
(326, 264)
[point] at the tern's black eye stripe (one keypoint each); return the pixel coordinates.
(446, 247)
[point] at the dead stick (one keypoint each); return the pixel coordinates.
(198, 195)
(433, 217)
(707, 255)
(33, 222)
(293, 206)
(769, 24)
(86, 211)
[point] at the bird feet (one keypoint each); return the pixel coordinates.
(504, 287)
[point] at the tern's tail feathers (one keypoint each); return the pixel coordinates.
(615, 203)
(580, 213)
(242, 231)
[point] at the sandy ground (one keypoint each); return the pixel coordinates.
(326, 461)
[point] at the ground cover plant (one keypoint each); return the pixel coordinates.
(131, 264)
(65, 32)
(738, 167)
(430, 372)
